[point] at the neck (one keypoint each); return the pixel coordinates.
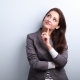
(45, 30)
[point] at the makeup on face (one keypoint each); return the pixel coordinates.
(51, 20)
(47, 23)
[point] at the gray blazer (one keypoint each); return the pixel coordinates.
(38, 57)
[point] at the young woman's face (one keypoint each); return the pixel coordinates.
(51, 20)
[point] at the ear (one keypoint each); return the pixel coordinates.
(57, 27)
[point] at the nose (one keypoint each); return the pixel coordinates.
(50, 19)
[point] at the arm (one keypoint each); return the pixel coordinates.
(59, 59)
(32, 56)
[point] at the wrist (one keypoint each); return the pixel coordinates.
(49, 46)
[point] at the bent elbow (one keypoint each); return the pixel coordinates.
(63, 64)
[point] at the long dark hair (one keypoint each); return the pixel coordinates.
(58, 35)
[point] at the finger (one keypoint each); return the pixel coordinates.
(44, 33)
(48, 30)
(43, 38)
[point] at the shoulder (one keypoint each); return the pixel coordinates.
(32, 35)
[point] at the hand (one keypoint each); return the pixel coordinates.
(45, 37)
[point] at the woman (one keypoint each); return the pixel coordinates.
(47, 50)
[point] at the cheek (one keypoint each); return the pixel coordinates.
(45, 19)
(43, 23)
(54, 24)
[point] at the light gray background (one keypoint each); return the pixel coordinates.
(20, 17)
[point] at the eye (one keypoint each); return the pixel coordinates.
(55, 20)
(48, 15)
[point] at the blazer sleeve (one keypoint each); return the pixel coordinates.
(62, 59)
(32, 56)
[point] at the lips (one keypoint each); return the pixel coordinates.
(48, 23)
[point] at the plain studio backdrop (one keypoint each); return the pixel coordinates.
(20, 17)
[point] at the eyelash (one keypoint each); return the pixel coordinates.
(55, 20)
(48, 15)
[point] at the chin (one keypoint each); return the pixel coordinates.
(47, 26)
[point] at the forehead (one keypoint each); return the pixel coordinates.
(54, 14)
